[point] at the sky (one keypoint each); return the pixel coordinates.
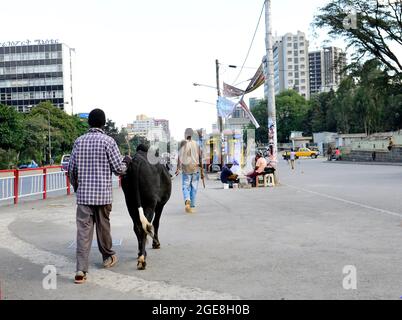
(142, 57)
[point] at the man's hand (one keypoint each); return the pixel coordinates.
(127, 160)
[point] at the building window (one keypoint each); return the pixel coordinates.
(290, 59)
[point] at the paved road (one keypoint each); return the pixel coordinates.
(288, 242)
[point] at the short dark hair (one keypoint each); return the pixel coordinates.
(142, 147)
(96, 118)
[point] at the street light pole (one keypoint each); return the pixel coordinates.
(71, 81)
(270, 81)
(220, 120)
(50, 143)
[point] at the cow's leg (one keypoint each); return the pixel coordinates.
(137, 231)
(158, 212)
(142, 254)
(149, 212)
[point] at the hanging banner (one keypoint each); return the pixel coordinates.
(231, 92)
(255, 82)
(225, 107)
(248, 112)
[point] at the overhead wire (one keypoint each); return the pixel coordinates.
(251, 45)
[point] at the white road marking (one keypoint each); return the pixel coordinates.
(104, 278)
(395, 214)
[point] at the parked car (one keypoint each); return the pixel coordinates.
(64, 161)
(31, 165)
(302, 152)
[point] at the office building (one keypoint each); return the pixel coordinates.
(291, 69)
(150, 128)
(326, 69)
(33, 72)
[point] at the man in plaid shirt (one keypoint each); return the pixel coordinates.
(94, 158)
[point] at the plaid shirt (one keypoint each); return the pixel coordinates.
(93, 159)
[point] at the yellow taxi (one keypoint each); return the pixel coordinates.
(302, 152)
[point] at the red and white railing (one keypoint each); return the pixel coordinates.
(16, 184)
(22, 183)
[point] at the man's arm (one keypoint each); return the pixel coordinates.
(118, 165)
(73, 169)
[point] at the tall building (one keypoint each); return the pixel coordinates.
(291, 64)
(33, 72)
(165, 126)
(326, 67)
(150, 128)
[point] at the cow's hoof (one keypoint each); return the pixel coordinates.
(156, 245)
(141, 264)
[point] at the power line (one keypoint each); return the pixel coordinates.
(251, 45)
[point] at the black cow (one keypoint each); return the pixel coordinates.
(147, 188)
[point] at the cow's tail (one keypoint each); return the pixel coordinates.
(146, 225)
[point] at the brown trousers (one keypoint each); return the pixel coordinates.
(87, 217)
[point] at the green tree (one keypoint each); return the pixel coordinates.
(111, 130)
(11, 128)
(35, 139)
(292, 111)
(321, 105)
(372, 27)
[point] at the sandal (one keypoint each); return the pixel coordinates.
(80, 277)
(110, 262)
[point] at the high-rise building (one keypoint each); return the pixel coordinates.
(326, 68)
(33, 72)
(291, 69)
(165, 126)
(149, 128)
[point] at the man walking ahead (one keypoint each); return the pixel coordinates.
(189, 161)
(93, 159)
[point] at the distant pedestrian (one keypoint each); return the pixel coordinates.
(329, 153)
(93, 159)
(292, 158)
(189, 162)
(337, 154)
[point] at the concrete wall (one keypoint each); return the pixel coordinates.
(395, 155)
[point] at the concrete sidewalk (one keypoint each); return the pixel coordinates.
(287, 242)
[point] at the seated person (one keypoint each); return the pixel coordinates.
(227, 175)
(260, 165)
(271, 165)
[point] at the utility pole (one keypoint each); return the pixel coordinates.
(71, 81)
(220, 121)
(270, 82)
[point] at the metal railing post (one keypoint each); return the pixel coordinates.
(16, 179)
(44, 183)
